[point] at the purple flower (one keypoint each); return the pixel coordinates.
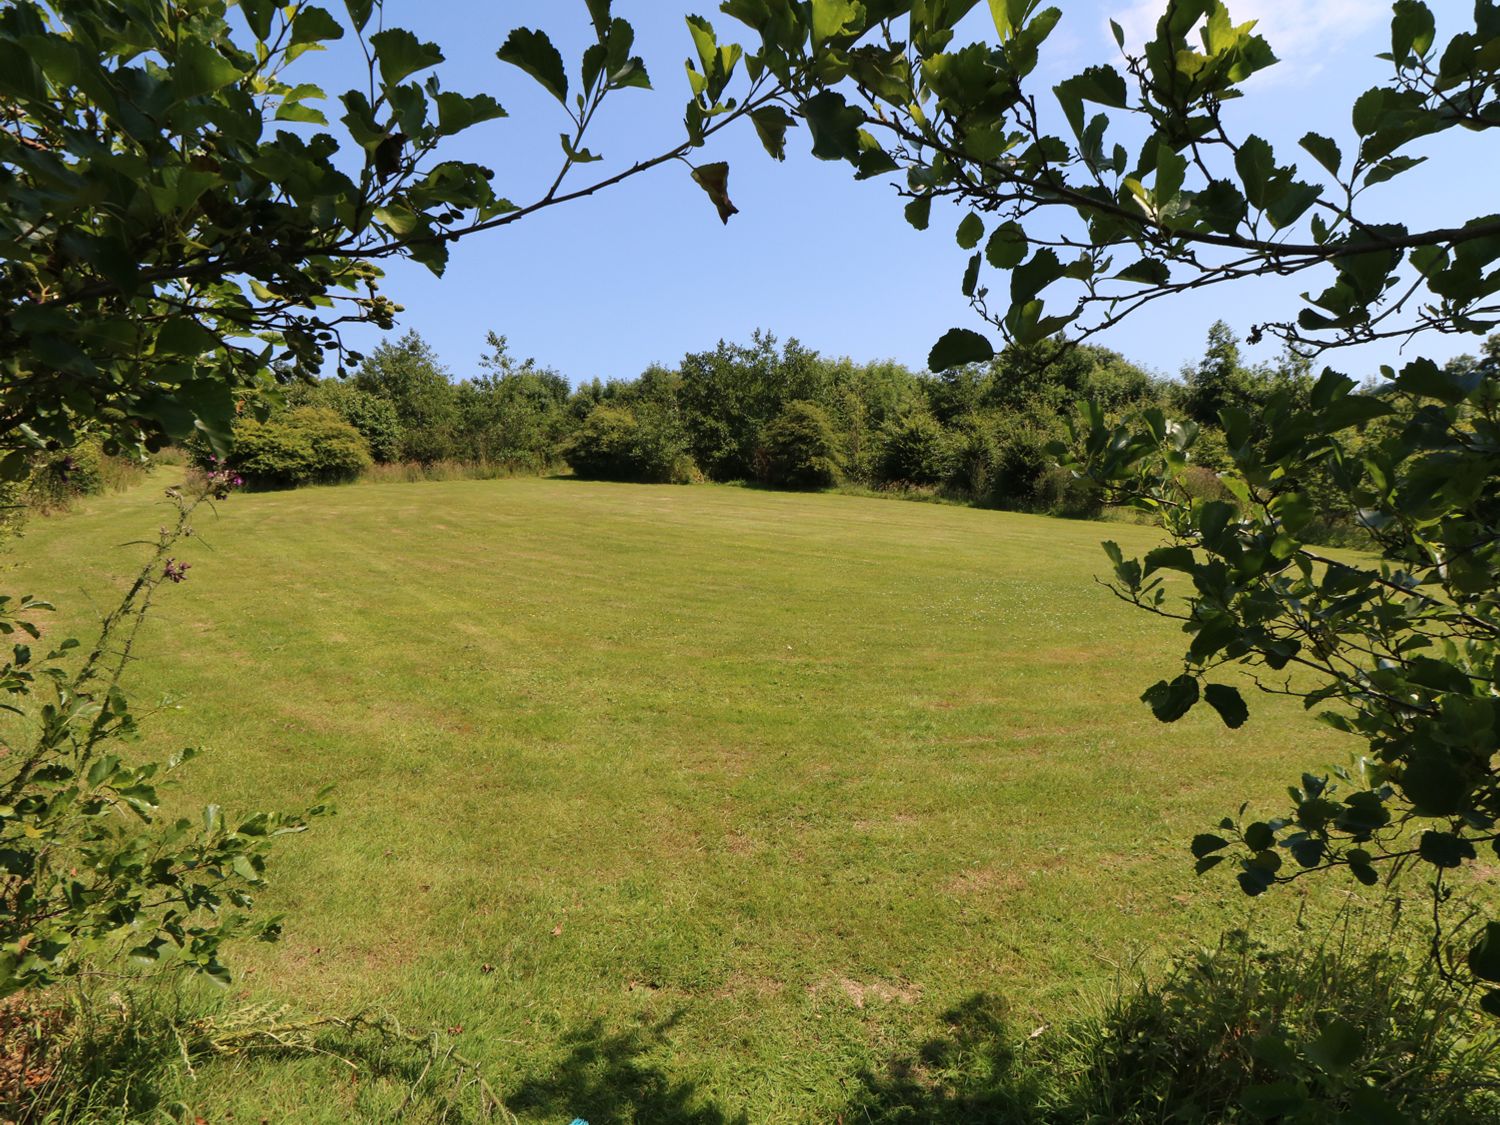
(175, 571)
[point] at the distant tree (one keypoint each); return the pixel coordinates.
(372, 415)
(801, 448)
(514, 412)
(917, 450)
(729, 396)
(409, 376)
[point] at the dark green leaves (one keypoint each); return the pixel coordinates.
(958, 347)
(457, 112)
(534, 53)
(1412, 30)
(401, 54)
(311, 26)
(771, 124)
(835, 125)
(1324, 150)
(970, 231)
(1007, 246)
(1171, 701)
(200, 69)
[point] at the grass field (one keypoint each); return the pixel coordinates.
(681, 803)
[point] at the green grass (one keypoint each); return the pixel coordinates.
(683, 803)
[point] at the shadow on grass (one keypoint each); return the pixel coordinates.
(605, 1079)
(968, 1073)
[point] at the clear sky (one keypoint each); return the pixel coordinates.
(645, 272)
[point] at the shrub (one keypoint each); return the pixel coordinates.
(1349, 1030)
(615, 443)
(917, 450)
(305, 445)
(1061, 492)
(56, 478)
(801, 448)
(1022, 462)
(373, 416)
(975, 457)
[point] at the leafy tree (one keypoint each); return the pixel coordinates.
(373, 416)
(1148, 192)
(409, 376)
(802, 448)
(514, 412)
(917, 450)
(304, 445)
(182, 219)
(729, 396)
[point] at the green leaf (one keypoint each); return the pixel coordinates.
(1412, 30)
(1147, 271)
(599, 14)
(958, 347)
(313, 25)
(1170, 558)
(831, 18)
(359, 12)
(771, 123)
(1434, 785)
(534, 53)
(1007, 246)
(1338, 1046)
(1171, 701)
(260, 14)
(1325, 151)
(401, 54)
(834, 124)
(457, 112)
(1256, 164)
(970, 231)
(200, 69)
(1228, 702)
(919, 212)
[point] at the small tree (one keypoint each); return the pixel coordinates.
(802, 448)
(917, 450)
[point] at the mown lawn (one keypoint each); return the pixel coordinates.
(677, 804)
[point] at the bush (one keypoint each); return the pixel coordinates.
(1350, 1030)
(57, 478)
(616, 443)
(304, 445)
(917, 450)
(976, 454)
(1022, 462)
(801, 449)
(373, 416)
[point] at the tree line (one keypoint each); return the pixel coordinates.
(768, 412)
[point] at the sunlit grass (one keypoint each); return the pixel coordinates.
(678, 798)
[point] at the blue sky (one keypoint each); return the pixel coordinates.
(645, 272)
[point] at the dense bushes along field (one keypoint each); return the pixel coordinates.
(765, 412)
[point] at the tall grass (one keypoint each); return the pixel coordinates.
(415, 472)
